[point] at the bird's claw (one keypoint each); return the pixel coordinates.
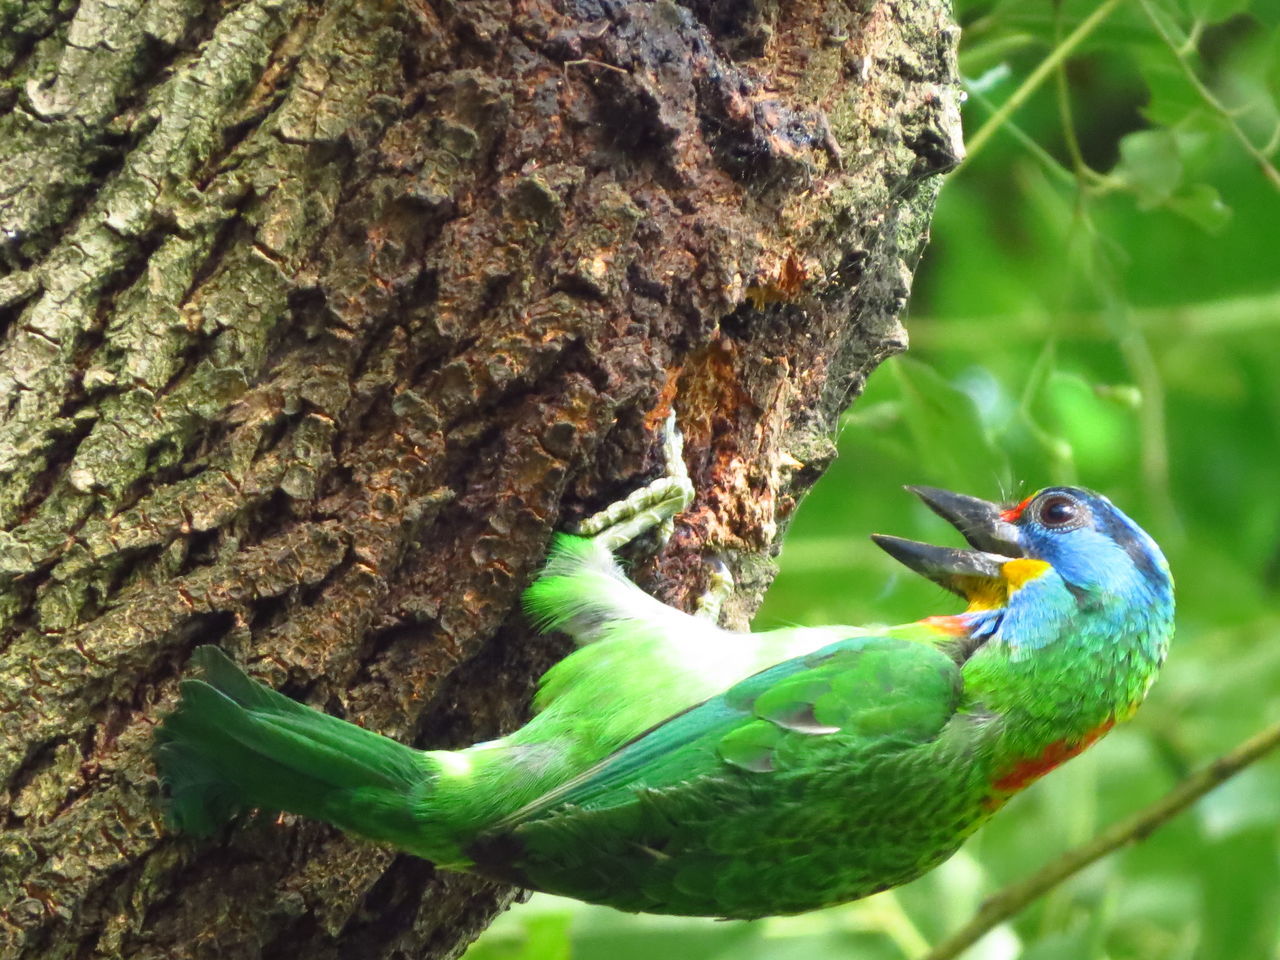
(719, 587)
(656, 504)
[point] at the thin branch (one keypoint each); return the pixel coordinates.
(1047, 160)
(1234, 316)
(1038, 76)
(1182, 55)
(1014, 897)
(1154, 432)
(1064, 104)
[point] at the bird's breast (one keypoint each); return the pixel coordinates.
(1023, 772)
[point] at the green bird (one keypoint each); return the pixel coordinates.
(675, 767)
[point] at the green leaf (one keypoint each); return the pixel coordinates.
(1100, 433)
(1150, 166)
(1202, 205)
(1215, 11)
(948, 430)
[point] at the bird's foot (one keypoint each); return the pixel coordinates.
(653, 505)
(719, 587)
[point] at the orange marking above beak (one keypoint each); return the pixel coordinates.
(1014, 514)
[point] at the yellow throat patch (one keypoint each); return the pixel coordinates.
(1015, 574)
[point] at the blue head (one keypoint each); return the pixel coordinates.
(1039, 565)
(1100, 554)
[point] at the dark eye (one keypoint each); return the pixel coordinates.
(1058, 510)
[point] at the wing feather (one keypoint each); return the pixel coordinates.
(860, 689)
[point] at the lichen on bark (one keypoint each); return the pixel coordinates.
(318, 318)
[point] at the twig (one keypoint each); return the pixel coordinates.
(1047, 160)
(1064, 105)
(588, 62)
(1181, 54)
(1041, 73)
(1228, 317)
(1014, 897)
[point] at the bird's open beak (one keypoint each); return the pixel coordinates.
(973, 574)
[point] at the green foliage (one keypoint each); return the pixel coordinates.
(1100, 305)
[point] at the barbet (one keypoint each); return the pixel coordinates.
(675, 767)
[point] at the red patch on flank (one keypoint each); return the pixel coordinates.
(1014, 514)
(1026, 772)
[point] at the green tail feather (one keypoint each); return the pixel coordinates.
(234, 745)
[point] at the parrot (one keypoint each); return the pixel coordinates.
(675, 767)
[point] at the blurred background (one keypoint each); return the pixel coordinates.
(1100, 304)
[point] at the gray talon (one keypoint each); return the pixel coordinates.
(654, 505)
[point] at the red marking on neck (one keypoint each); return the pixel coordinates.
(1014, 514)
(1025, 772)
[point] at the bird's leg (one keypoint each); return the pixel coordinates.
(719, 586)
(656, 504)
(653, 505)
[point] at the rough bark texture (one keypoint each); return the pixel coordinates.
(318, 318)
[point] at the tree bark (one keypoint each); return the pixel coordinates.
(319, 317)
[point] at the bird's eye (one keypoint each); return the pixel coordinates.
(1058, 510)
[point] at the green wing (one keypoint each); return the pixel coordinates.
(862, 690)
(771, 797)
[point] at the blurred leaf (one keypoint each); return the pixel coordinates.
(986, 64)
(1215, 11)
(1241, 896)
(947, 428)
(1150, 166)
(1102, 435)
(1171, 99)
(1201, 204)
(1248, 801)
(529, 934)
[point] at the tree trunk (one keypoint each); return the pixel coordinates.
(319, 318)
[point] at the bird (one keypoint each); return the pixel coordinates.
(675, 767)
